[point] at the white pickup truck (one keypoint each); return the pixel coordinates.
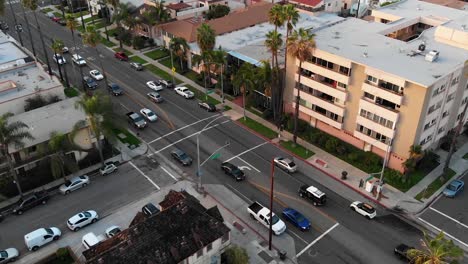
(262, 214)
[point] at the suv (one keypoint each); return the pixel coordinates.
(136, 65)
(313, 194)
(31, 201)
(90, 82)
(78, 60)
(150, 209)
(121, 56)
(115, 89)
(233, 171)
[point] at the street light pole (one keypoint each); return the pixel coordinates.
(272, 180)
(172, 68)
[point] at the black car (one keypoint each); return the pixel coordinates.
(207, 106)
(402, 251)
(181, 157)
(232, 170)
(90, 82)
(115, 89)
(312, 194)
(150, 209)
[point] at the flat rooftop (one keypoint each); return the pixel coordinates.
(60, 117)
(365, 42)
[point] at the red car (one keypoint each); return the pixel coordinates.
(121, 56)
(56, 19)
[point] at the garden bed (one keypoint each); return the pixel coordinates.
(435, 185)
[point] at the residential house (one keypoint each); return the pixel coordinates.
(183, 232)
(331, 6)
(386, 85)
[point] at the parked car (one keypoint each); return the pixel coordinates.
(285, 164)
(364, 209)
(233, 171)
(90, 240)
(8, 255)
(30, 201)
(82, 219)
(50, 15)
(312, 194)
(62, 22)
(74, 184)
(97, 75)
(181, 157)
(262, 214)
(4, 25)
(154, 85)
(155, 97)
(115, 89)
(184, 92)
(167, 83)
(402, 251)
(136, 120)
(454, 188)
(56, 19)
(78, 60)
(149, 115)
(150, 209)
(121, 56)
(59, 59)
(296, 218)
(207, 106)
(90, 82)
(136, 65)
(65, 50)
(108, 168)
(112, 231)
(41, 237)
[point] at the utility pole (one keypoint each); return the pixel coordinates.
(272, 180)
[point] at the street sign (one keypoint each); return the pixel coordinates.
(209, 91)
(215, 156)
(173, 69)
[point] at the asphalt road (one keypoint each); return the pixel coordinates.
(353, 240)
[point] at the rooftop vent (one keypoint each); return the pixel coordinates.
(365, 54)
(432, 56)
(422, 47)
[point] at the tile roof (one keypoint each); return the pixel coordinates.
(247, 17)
(178, 6)
(168, 237)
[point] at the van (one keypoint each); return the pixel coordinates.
(40, 237)
(89, 240)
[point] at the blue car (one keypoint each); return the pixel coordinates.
(296, 219)
(454, 188)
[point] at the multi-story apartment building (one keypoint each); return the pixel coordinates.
(387, 84)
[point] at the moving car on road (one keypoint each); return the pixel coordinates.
(312, 194)
(136, 120)
(78, 60)
(262, 215)
(181, 157)
(207, 106)
(90, 82)
(41, 237)
(74, 184)
(285, 164)
(364, 209)
(149, 115)
(121, 56)
(296, 219)
(112, 231)
(184, 91)
(65, 50)
(115, 89)
(8, 255)
(402, 251)
(59, 59)
(96, 75)
(154, 85)
(82, 219)
(454, 188)
(167, 83)
(136, 65)
(155, 97)
(233, 171)
(108, 168)
(30, 201)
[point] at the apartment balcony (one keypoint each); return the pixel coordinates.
(318, 83)
(370, 140)
(320, 116)
(389, 95)
(326, 72)
(388, 132)
(383, 111)
(322, 102)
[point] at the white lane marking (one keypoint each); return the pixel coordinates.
(172, 132)
(248, 164)
(305, 242)
(126, 108)
(455, 220)
(235, 190)
(170, 174)
(250, 149)
(244, 168)
(439, 230)
(316, 240)
(144, 175)
(182, 139)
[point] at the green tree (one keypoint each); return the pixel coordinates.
(206, 40)
(93, 39)
(291, 16)
(438, 250)
(274, 42)
(217, 11)
(180, 48)
(264, 78)
(301, 45)
(59, 145)
(72, 25)
(13, 133)
(57, 48)
(121, 14)
(244, 80)
(236, 255)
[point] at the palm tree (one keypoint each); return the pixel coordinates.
(32, 4)
(264, 78)
(12, 134)
(72, 24)
(121, 14)
(29, 29)
(438, 250)
(98, 110)
(244, 80)
(291, 16)
(59, 144)
(274, 42)
(57, 47)
(206, 40)
(301, 45)
(180, 47)
(92, 39)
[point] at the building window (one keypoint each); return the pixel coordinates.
(342, 85)
(445, 114)
(344, 70)
(442, 129)
(200, 253)
(368, 95)
(372, 79)
(455, 81)
(225, 238)
(32, 149)
(209, 247)
(464, 100)
(450, 97)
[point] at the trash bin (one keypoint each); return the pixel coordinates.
(282, 254)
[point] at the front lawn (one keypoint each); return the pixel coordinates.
(70, 92)
(107, 43)
(297, 149)
(138, 59)
(261, 129)
(157, 54)
(46, 10)
(126, 137)
(435, 185)
(90, 19)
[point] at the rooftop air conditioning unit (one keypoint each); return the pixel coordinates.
(432, 56)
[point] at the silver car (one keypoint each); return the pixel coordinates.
(286, 164)
(108, 168)
(74, 184)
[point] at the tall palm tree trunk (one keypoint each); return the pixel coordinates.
(42, 41)
(11, 167)
(29, 31)
(298, 98)
(16, 23)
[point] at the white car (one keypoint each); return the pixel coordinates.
(108, 168)
(8, 255)
(78, 60)
(184, 91)
(364, 209)
(82, 219)
(40, 237)
(148, 114)
(65, 50)
(155, 85)
(96, 75)
(59, 59)
(74, 184)
(112, 231)
(286, 164)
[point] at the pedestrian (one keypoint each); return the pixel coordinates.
(361, 183)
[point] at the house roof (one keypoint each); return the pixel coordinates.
(449, 3)
(168, 237)
(177, 6)
(247, 17)
(313, 3)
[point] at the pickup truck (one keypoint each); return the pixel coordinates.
(30, 201)
(262, 215)
(137, 120)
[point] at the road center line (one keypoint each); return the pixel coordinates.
(248, 164)
(455, 220)
(241, 194)
(144, 175)
(250, 149)
(440, 230)
(170, 174)
(172, 132)
(316, 240)
(300, 238)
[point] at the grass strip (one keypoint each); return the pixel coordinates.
(261, 129)
(297, 149)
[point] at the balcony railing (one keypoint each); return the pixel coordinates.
(384, 88)
(381, 105)
(321, 79)
(336, 68)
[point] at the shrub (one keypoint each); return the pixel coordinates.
(302, 126)
(353, 156)
(341, 149)
(267, 114)
(429, 161)
(138, 43)
(62, 253)
(331, 144)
